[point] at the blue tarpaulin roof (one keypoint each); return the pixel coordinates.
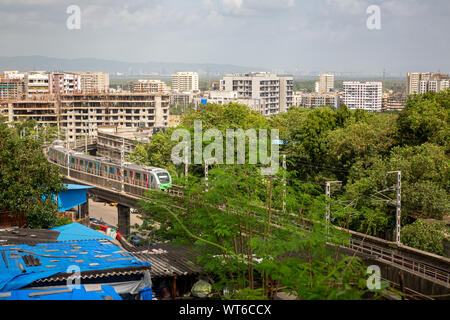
(77, 232)
(49, 294)
(60, 257)
(72, 197)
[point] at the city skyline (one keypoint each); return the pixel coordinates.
(288, 35)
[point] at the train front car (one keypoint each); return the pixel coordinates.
(164, 178)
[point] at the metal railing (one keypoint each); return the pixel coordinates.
(395, 258)
(358, 242)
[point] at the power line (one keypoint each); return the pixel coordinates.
(323, 167)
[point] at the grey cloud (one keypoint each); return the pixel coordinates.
(315, 34)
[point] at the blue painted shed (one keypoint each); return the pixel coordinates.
(74, 196)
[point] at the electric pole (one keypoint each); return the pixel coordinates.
(186, 164)
(328, 208)
(86, 140)
(122, 172)
(206, 175)
(207, 172)
(398, 205)
(67, 139)
(68, 153)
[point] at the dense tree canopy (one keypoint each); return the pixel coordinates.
(355, 147)
(247, 245)
(26, 178)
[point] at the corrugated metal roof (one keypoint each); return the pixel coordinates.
(96, 274)
(27, 236)
(167, 260)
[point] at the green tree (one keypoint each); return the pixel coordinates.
(425, 175)
(26, 178)
(427, 236)
(426, 119)
(248, 246)
(361, 141)
(159, 151)
(223, 117)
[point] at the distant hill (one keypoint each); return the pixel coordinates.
(40, 63)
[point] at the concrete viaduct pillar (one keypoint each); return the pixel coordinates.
(124, 220)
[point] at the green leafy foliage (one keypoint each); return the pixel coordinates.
(248, 246)
(426, 119)
(26, 178)
(355, 147)
(427, 236)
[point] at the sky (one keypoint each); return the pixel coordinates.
(282, 35)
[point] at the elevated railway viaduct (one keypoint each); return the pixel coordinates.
(419, 274)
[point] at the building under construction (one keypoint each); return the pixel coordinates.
(81, 114)
(11, 88)
(112, 141)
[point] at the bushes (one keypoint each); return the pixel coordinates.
(425, 236)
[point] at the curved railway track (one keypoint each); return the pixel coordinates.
(379, 249)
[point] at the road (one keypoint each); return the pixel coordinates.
(108, 213)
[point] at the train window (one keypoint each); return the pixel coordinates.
(138, 176)
(163, 177)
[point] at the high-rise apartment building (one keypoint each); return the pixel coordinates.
(422, 82)
(276, 91)
(366, 96)
(37, 83)
(226, 97)
(325, 83)
(61, 82)
(394, 102)
(11, 88)
(314, 100)
(16, 75)
(94, 82)
(185, 82)
(149, 86)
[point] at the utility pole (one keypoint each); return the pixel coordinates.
(206, 175)
(122, 171)
(86, 140)
(284, 183)
(68, 152)
(67, 139)
(207, 172)
(186, 164)
(398, 205)
(328, 194)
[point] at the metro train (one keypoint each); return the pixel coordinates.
(143, 176)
